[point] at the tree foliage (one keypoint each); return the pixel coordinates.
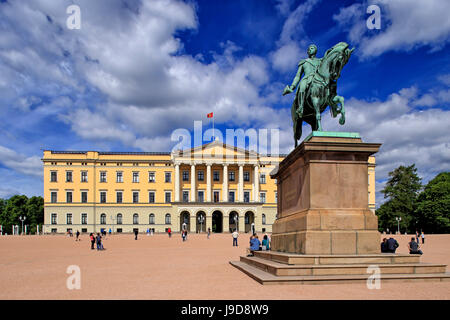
(401, 190)
(20, 205)
(433, 207)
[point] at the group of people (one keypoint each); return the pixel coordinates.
(257, 245)
(96, 240)
(390, 245)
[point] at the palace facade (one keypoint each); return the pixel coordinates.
(211, 186)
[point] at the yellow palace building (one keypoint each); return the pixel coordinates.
(212, 186)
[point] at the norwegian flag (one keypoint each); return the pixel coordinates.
(210, 115)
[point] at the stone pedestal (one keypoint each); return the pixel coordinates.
(323, 197)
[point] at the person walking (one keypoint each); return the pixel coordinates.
(417, 236)
(110, 231)
(78, 235)
(99, 242)
(169, 231)
(235, 236)
(209, 232)
(91, 236)
(135, 234)
(183, 235)
(423, 237)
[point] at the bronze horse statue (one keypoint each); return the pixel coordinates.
(320, 91)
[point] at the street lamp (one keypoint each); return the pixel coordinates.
(201, 219)
(236, 221)
(22, 219)
(398, 223)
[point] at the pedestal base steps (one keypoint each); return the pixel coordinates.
(287, 268)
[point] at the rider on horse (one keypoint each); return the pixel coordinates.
(308, 67)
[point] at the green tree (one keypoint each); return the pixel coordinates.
(15, 207)
(2, 216)
(35, 212)
(401, 190)
(433, 207)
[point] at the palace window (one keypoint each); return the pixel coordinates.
(102, 176)
(84, 176)
(168, 218)
(231, 176)
(119, 218)
(262, 197)
(119, 176)
(151, 176)
(200, 176)
(54, 197)
(53, 176)
(216, 176)
(151, 197)
(103, 218)
(201, 196)
(54, 218)
(69, 218)
(168, 177)
(185, 175)
(69, 196)
(263, 218)
(84, 196)
(216, 196)
(103, 196)
(246, 196)
(135, 177)
(135, 218)
(231, 196)
(119, 196)
(135, 196)
(246, 176)
(276, 197)
(185, 196)
(151, 219)
(84, 218)
(168, 197)
(262, 178)
(68, 176)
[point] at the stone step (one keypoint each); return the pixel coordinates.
(281, 269)
(267, 278)
(300, 259)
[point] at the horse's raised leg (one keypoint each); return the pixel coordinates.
(316, 104)
(342, 109)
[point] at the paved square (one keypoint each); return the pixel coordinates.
(156, 267)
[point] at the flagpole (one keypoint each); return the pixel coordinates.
(214, 136)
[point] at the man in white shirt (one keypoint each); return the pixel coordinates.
(235, 235)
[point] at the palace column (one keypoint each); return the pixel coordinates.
(177, 182)
(256, 184)
(241, 183)
(192, 182)
(208, 182)
(225, 183)
(241, 225)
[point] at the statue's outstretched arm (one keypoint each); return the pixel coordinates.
(297, 77)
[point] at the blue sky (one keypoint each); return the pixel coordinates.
(138, 70)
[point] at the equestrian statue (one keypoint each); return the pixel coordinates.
(317, 89)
